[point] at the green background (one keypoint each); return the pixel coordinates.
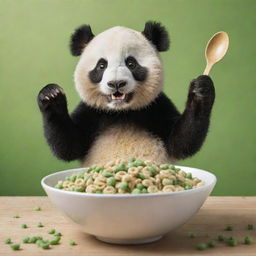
(34, 37)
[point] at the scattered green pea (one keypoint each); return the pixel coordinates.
(191, 235)
(79, 189)
(229, 228)
(140, 186)
(58, 234)
(250, 227)
(16, 216)
(212, 244)
(33, 240)
(248, 240)
(232, 242)
(152, 170)
(111, 181)
(187, 187)
(51, 231)
(15, 247)
(221, 237)
(165, 167)
(132, 159)
(26, 240)
(45, 246)
(24, 226)
(37, 208)
(40, 225)
(98, 191)
(72, 242)
(136, 191)
(8, 241)
(201, 246)
(55, 240)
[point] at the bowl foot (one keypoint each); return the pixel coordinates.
(129, 241)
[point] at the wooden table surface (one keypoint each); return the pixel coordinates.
(210, 221)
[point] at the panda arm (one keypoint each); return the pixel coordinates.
(68, 136)
(190, 129)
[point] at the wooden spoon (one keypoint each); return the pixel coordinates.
(216, 49)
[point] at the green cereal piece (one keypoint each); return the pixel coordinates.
(24, 226)
(55, 240)
(201, 246)
(26, 240)
(72, 242)
(248, 240)
(232, 242)
(164, 167)
(212, 244)
(111, 181)
(141, 176)
(187, 187)
(37, 208)
(140, 186)
(58, 234)
(107, 174)
(139, 163)
(16, 216)
(136, 191)
(98, 191)
(123, 185)
(152, 170)
(250, 227)
(59, 186)
(8, 241)
(51, 231)
(79, 189)
(144, 191)
(39, 242)
(188, 175)
(98, 169)
(72, 178)
(80, 175)
(172, 167)
(229, 227)
(40, 225)
(221, 237)
(15, 247)
(191, 235)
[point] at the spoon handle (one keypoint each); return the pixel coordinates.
(207, 69)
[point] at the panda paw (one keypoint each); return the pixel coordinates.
(202, 88)
(52, 97)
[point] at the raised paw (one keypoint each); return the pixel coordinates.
(52, 97)
(202, 88)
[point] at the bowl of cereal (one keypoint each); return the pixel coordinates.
(129, 202)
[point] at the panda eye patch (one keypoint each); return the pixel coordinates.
(131, 63)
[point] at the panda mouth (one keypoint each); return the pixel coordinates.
(119, 97)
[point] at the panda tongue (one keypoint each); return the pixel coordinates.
(117, 96)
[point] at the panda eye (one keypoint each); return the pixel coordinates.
(102, 64)
(131, 62)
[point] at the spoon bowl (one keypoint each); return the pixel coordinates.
(216, 49)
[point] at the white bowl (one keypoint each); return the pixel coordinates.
(129, 218)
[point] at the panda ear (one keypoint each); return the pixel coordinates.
(157, 35)
(80, 38)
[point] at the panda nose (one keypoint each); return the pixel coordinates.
(117, 84)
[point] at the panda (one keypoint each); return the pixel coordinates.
(123, 111)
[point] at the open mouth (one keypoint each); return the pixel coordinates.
(119, 97)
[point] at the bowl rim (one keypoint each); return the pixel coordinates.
(211, 184)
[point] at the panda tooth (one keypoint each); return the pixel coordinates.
(113, 96)
(122, 96)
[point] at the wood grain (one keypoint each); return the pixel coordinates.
(210, 221)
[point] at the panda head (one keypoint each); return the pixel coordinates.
(120, 68)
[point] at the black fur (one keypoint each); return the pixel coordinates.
(82, 36)
(139, 73)
(70, 137)
(96, 74)
(157, 35)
